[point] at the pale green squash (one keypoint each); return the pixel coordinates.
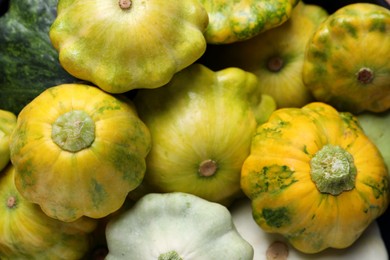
(175, 226)
(201, 125)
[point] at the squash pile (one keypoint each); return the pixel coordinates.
(153, 120)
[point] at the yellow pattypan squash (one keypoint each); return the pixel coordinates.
(315, 177)
(201, 125)
(276, 56)
(26, 232)
(7, 125)
(125, 45)
(78, 151)
(347, 59)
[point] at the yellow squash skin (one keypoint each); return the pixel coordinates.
(278, 178)
(201, 125)
(26, 232)
(7, 125)
(82, 167)
(232, 21)
(276, 56)
(347, 59)
(120, 48)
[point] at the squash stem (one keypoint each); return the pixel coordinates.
(333, 170)
(11, 202)
(124, 4)
(277, 250)
(365, 75)
(171, 255)
(73, 131)
(208, 168)
(275, 64)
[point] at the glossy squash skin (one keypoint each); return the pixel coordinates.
(276, 56)
(125, 45)
(201, 125)
(232, 21)
(26, 232)
(346, 61)
(7, 125)
(315, 177)
(78, 151)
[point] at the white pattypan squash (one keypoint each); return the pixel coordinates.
(175, 226)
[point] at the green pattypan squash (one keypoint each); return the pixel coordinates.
(26, 232)
(231, 21)
(7, 125)
(201, 125)
(120, 46)
(175, 226)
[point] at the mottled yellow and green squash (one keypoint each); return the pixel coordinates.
(78, 151)
(232, 21)
(347, 59)
(314, 176)
(125, 45)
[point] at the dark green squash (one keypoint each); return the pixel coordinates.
(28, 62)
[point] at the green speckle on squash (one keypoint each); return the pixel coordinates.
(108, 105)
(277, 217)
(273, 178)
(377, 25)
(98, 193)
(379, 188)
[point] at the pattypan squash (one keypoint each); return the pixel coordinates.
(376, 127)
(276, 56)
(26, 232)
(232, 21)
(347, 59)
(78, 151)
(370, 245)
(175, 226)
(201, 125)
(125, 45)
(7, 125)
(314, 176)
